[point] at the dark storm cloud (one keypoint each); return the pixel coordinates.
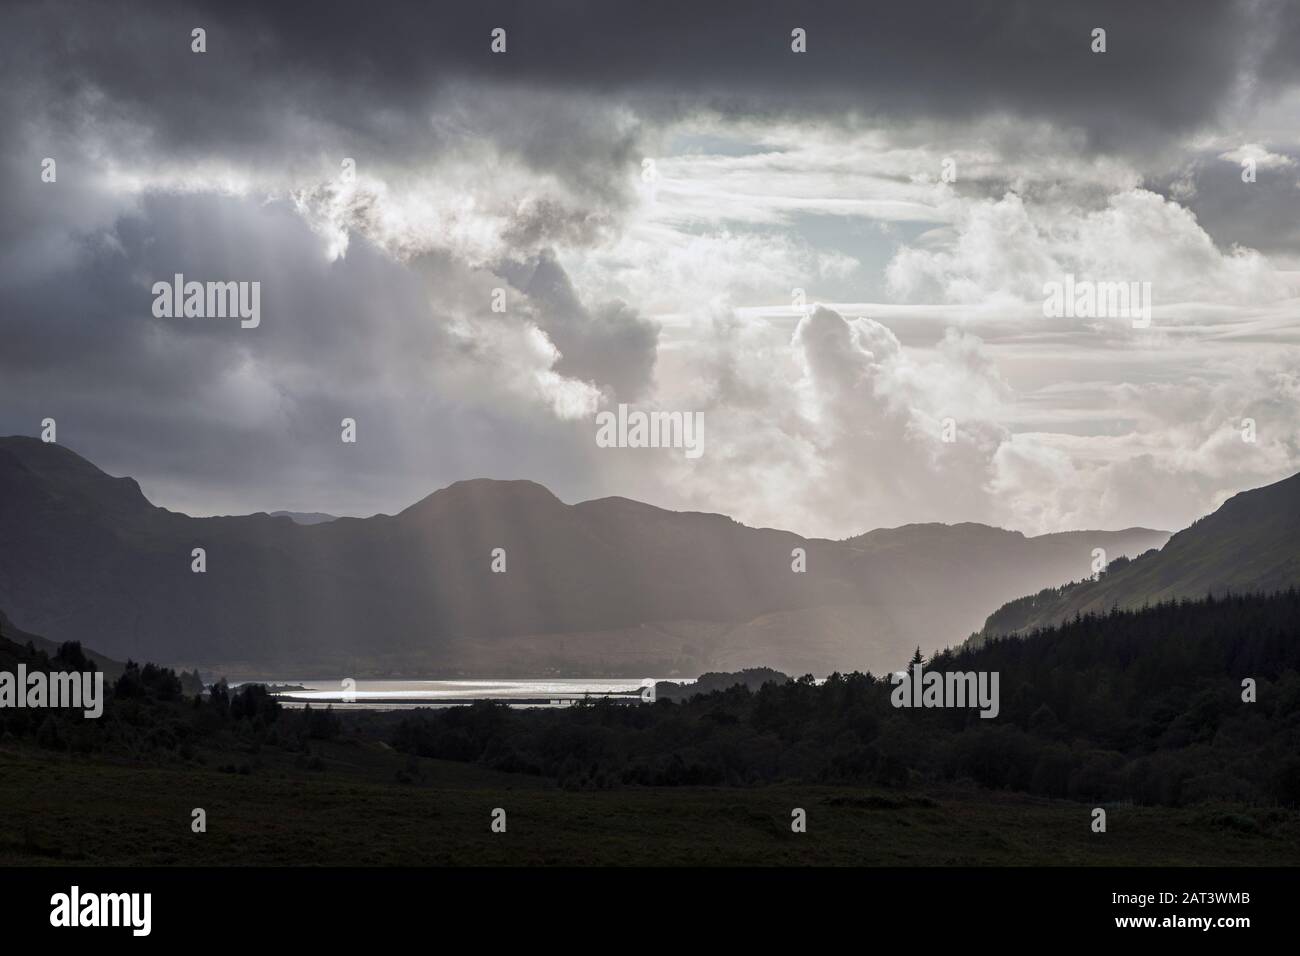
(1169, 64)
(375, 71)
(610, 345)
(1263, 215)
(276, 91)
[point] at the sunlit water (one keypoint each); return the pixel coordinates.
(397, 694)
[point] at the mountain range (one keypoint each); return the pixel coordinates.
(610, 586)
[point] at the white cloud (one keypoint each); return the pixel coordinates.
(1004, 250)
(1264, 159)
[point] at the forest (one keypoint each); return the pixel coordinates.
(1175, 704)
(1145, 706)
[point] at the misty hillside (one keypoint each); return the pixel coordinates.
(605, 586)
(1250, 544)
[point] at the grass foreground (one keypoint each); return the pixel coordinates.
(351, 811)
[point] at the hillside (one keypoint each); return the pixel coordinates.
(13, 643)
(1251, 544)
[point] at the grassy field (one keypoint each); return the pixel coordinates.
(64, 810)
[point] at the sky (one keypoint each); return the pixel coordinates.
(838, 257)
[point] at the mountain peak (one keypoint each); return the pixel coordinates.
(1279, 500)
(478, 493)
(60, 472)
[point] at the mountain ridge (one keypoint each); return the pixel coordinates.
(89, 558)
